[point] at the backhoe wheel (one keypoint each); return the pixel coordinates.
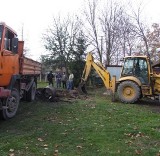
(128, 92)
(30, 95)
(11, 105)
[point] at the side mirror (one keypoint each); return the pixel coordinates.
(15, 45)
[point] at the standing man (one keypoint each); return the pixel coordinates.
(64, 80)
(70, 81)
(50, 77)
(58, 80)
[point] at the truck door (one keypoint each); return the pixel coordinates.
(9, 60)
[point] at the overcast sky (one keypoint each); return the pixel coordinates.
(36, 15)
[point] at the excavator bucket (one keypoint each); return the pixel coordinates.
(82, 88)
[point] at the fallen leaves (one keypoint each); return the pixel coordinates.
(158, 154)
(134, 134)
(138, 152)
(40, 139)
(56, 150)
(11, 154)
(45, 146)
(11, 150)
(79, 147)
(129, 142)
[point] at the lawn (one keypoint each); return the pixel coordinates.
(90, 126)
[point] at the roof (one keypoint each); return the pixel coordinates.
(6, 26)
(139, 56)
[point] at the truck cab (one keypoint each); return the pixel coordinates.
(18, 74)
(8, 39)
(9, 58)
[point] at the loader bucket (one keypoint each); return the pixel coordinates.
(82, 88)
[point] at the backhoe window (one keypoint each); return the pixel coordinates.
(128, 67)
(136, 67)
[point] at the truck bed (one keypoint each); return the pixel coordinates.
(30, 67)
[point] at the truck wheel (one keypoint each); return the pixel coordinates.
(11, 103)
(30, 95)
(128, 92)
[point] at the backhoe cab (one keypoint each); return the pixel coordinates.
(138, 78)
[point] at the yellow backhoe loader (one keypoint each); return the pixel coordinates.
(139, 78)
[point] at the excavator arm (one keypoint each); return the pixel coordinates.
(102, 72)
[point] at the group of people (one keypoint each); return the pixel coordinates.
(61, 79)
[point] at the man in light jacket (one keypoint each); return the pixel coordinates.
(70, 81)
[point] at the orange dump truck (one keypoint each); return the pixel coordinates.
(18, 74)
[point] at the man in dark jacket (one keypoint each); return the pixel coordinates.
(50, 77)
(58, 80)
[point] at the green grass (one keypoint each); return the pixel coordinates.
(92, 126)
(42, 84)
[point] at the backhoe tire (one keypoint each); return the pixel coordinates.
(128, 92)
(30, 95)
(11, 104)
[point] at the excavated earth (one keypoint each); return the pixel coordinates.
(56, 95)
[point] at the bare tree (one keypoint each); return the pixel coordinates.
(110, 23)
(128, 35)
(153, 37)
(109, 30)
(140, 27)
(91, 14)
(112, 31)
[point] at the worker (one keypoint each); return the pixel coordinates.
(50, 77)
(58, 80)
(64, 80)
(70, 81)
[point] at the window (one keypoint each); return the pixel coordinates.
(137, 67)
(1, 30)
(128, 67)
(143, 73)
(8, 39)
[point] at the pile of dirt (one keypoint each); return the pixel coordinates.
(54, 95)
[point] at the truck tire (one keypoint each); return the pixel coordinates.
(11, 104)
(31, 94)
(128, 92)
